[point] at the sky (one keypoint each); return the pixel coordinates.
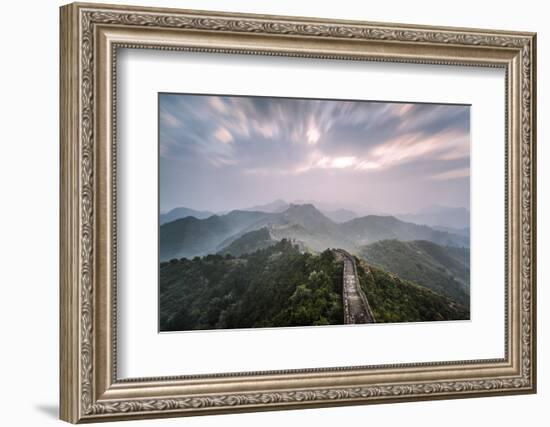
(220, 153)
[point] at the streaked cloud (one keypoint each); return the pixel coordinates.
(223, 135)
(452, 174)
(169, 120)
(274, 137)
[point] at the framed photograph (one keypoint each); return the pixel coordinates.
(266, 212)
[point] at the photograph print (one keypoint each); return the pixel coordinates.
(278, 212)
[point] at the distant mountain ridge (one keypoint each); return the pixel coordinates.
(303, 223)
(372, 228)
(278, 205)
(183, 212)
(340, 215)
(249, 243)
(336, 212)
(460, 231)
(440, 216)
(189, 236)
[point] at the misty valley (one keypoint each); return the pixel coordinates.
(295, 264)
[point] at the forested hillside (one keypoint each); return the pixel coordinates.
(277, 286)
(395, 300)
(283, 286)
(444, 269)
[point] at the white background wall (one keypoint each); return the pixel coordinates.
(29, 170)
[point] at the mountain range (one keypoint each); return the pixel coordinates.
(443, 218)
(302, 223)
(278, 205)
(182, 212)
(439, 216)
(272, 265)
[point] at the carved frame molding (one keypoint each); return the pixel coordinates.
(90, 36)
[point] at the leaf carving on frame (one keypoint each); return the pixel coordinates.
(247, 399)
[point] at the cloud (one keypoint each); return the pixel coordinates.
(217, 104)
(452, 174)
(276, 137)
(169, 120)
(223, 135)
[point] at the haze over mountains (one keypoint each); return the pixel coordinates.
(451, 218)
(440, 216)
(305, 224)
(182, 212)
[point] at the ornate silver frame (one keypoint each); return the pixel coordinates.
(90, 36)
